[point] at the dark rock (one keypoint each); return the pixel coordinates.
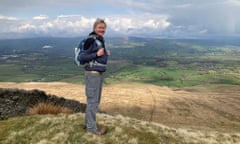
(15, 102)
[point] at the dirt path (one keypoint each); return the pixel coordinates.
(202, 109)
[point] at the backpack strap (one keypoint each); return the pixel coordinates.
(99, 45)
(98, 42)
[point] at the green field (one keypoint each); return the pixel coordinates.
(172, 63)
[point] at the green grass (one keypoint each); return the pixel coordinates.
(172, 77)
(68, 129)
(42, 69)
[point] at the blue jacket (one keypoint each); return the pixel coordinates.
(90, 54)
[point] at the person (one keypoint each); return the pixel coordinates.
(96, 55)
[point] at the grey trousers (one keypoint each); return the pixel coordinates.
(93, 91)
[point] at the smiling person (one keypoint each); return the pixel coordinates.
(96, 56)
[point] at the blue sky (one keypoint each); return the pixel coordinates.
(154, 18)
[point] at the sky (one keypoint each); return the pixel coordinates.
(141, 18)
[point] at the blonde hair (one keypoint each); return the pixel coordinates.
(98, 21)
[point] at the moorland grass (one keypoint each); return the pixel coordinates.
(68, 129)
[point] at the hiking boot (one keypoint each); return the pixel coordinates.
(99, 132)
(84, 127)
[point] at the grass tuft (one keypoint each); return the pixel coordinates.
(46, 108)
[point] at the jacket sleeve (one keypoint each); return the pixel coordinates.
(87, 56)
(89, 52)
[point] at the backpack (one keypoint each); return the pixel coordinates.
(80, 49)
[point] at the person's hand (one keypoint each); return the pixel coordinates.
(100, 52)
(108, 53)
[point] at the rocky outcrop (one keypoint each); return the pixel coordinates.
(15, 102)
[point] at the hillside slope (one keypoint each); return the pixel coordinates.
(61, 129)
(212, 107)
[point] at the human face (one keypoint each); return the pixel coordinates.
(100, 29)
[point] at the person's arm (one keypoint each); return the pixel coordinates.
(88, 57)
(88, 54)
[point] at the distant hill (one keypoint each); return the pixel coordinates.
(64, 46)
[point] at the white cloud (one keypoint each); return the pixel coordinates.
(138, 24)
(68, 16)
(76, 25)
(120, 23)
(26, 28)
(7, 18)
(155, 17)
(45, 27)
(162, 24)
(40, 17)
(233, 2)
(47, 47)
(203, 31)
(187, 5)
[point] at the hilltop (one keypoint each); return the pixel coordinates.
(61, 129)
(212, 107)
(136, 114)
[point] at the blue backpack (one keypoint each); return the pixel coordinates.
(80, 49)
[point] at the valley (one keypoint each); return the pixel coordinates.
(172, 63)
